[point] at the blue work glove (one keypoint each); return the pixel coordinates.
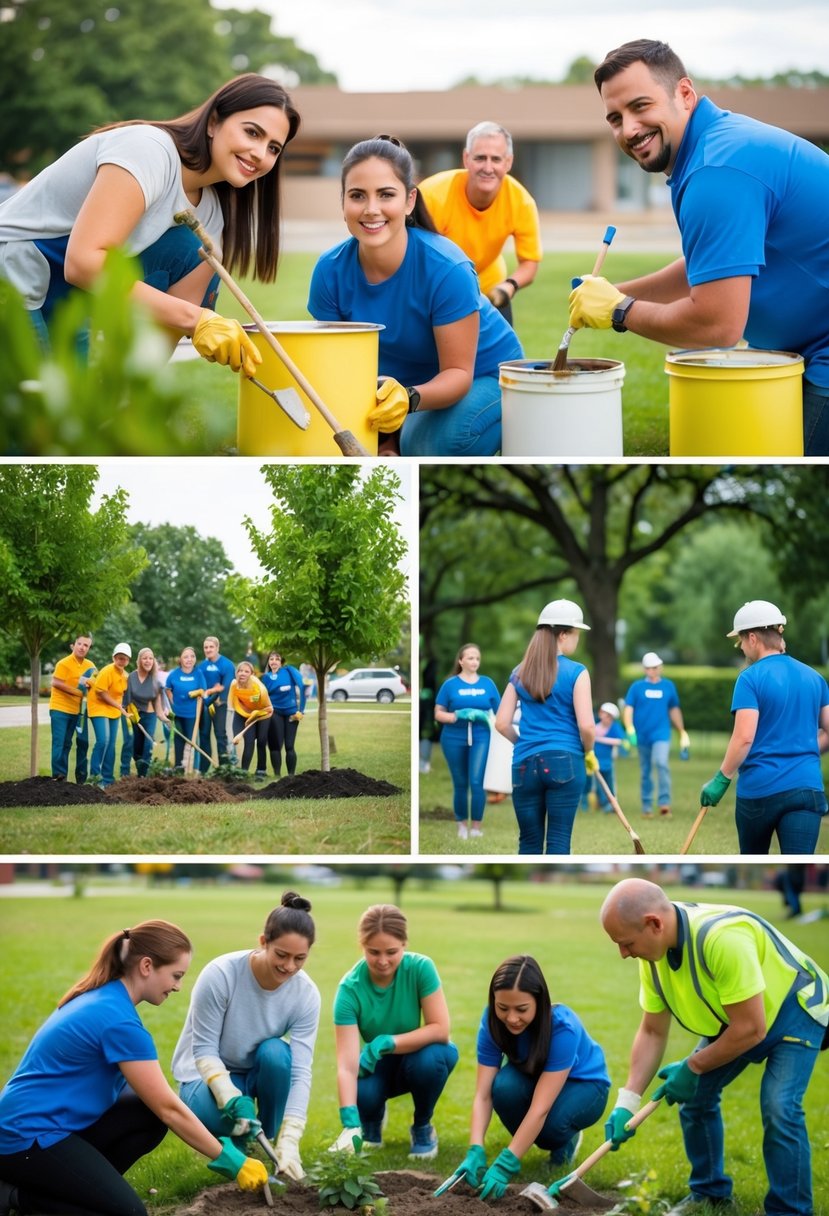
(232, 1163)
(680, 1083)
(239, 1116)
(497, 1178)
(713, 790)
(379, 1046)
(350, 1139)
(471, 1169)
(616, 1129)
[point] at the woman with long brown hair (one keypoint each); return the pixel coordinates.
(89, 1097)
(122, 185)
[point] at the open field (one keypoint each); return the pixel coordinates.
(374, 739)
(45, 944)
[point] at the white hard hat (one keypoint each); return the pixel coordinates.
(611, 708)
(562, 612)
(122, 648)
(651, 659)
(756, 614)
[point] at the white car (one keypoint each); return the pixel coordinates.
(367, 684)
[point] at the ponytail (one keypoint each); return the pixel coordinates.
(158, 940)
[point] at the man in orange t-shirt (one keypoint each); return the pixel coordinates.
(70, 680)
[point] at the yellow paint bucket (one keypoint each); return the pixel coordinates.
(735, 402)
(339, 359)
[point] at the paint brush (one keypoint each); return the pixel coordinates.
(560, 361)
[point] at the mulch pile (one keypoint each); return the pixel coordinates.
(164, 791)
(408, 1191)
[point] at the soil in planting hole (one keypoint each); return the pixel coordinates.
(409, 1193)
(163, 791)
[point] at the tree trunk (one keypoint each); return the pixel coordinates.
(601, 600)
(322, 720)
(34, 668)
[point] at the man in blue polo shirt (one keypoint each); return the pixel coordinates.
(218, 672)
(651, 708)
(750, 201)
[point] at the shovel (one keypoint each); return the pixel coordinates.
(578, 1191)
(186, 740)
(236, 738)
(638, 847)
(344, 440)
(703, 811)
(451, 1181)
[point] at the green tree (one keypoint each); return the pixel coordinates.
(62, 566)
(496, 872)
(580, 71)
(333, 589)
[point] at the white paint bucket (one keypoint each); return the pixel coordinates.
(577, 412)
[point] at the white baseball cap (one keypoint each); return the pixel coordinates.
(651, 659)
(122, 648)
(611, 708)
(562, 612)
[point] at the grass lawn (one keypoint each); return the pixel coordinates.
(374, 739)
(595, 832)
(541, 318)
(46, 944)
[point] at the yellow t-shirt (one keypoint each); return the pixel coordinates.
(70, 670)
(482, 234)
(112, 680)
(246, 700)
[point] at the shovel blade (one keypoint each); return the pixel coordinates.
(539, 1196)
(289, 401)
(451, 1181)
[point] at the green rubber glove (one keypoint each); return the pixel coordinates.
(631, 734)
(379, 1046)
(497, 1178)
(232, 1163)
(680, 1083)
(239, 1116)
(714, 789)
(473, 1165)
(465, 715)
(616, 1129)
(350, 1138)
(592, 303)
(479, 715)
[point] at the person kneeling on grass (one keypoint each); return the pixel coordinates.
(89, 1098)
(539, 1070)
(394, 1002)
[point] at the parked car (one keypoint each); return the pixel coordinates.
(367, 684)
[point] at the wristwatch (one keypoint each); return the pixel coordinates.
(617, 317)
(414, 399)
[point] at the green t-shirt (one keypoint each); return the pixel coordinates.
(392, 1010)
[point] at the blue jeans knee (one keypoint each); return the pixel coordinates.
(470, 427)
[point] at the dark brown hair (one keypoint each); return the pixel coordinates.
(658, 57)
(388, 147)
(456, 667)
(292, 916)
(158, 940)
(521, 971)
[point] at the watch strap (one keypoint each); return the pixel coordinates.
(619, 314)
(414, 400)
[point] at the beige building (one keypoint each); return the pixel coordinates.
(564, 153)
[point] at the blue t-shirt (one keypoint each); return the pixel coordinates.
(750, 199)
(455, 694)
(604, 751)
(217, 671)
(571, 1047)
(282, 686)
(435, 284)
(784, 755)
(651, 702)
(549, 725)
(180, 686)
(69, 1074)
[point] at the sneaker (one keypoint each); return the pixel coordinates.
(424, 1143)
(475, 832)
(260, 775)
(373, 1131)
(647, 814)
(665, 812)
(463, 831)
(565, 1155)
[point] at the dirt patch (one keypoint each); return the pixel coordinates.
(408, 1191)
(174, 790)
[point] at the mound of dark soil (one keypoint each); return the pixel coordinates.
(338, 783)
(162, 791)
(48, 791)
(410, 1194)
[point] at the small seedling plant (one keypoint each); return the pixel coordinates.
(644, 1198)
(344, 1180)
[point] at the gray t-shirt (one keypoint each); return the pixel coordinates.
(230, 1015)
(142, 692)
(49, 204)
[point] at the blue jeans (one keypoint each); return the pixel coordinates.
(215, 724)
(103, 753)
(786, 1151)
(467, 763)
(546, 789)
(470, 427)
(579, 1104)
(268, 1081)
(794, 815)
(63, 732)
(654, 755)
(815, 419)
(128, 733)
(610, 781)
(423, 1074)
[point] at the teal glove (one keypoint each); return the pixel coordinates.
(379, 1046)
(497, 1178)
(680, 1083)
(472, 715)
(714, 789)
(229, 1161)
(471, 1169)
(239, 1116)
(350, 1138)
(616, 1129)
(631, 734)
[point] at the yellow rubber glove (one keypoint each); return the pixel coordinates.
(498, 297)
(196, 692)
(591, 764)
(132, 713)
(252, 1176)
(297, 717)
(592, 303)
(391, 409)
(222, 340)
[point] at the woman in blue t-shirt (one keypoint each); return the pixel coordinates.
(185, 684)
(442, 339)
(462, 707)
(538, 1069)
(89, 1097)
(554, 753)
(287, 693)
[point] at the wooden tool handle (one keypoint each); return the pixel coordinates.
(611, 799)
(703, 811)
(608, 237)
(588, 1163)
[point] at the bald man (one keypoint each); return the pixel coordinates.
(728, 975)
